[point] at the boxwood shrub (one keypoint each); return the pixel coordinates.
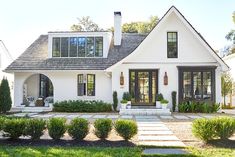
(56, 127)
(78, 128)
(103, 128)
(35, 128)
(14, 127)
(82, 106)
(126, 128)
(2, 119)
(209, 129)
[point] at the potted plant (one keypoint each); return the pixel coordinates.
(164, 103)
(123, 104)
(127, 96)
(159, 97)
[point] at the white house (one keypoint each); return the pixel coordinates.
(230, 60)
(90, 65)
(5, 60)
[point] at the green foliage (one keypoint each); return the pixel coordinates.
(203, 129)
(102, 128)
(56, 127)
(123, 101)
(140, 27)
(197, 107)
(126, 128)
(173, 96)
(85, 24)
(82, 106)
(126, 96)
(78, 128)
(34, 128)
(2, 120)
(163, 101)
(115, 100)
(5, 96)
(231, 35)
(226, 85)
(224, 127)
(159, 97)
(14, 127)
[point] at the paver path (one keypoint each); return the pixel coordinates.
(152, 131)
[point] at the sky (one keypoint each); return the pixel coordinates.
(23, 21)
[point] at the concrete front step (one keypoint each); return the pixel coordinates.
(162, 143)
(145, 112)
(157, 138)
(155, 132)
(32, 109)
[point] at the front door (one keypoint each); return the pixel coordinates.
(143, 86)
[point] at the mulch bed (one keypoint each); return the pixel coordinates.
(64, 143)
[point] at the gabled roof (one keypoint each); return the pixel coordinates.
(224, 66)
(35, 57)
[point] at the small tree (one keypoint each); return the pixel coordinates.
(115, 100)
(5, 96)
(173, 96)
(226, 85)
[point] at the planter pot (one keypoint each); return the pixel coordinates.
(164, 106)
(123, 106)
(158, 104)
(129, 102)
(128, 106)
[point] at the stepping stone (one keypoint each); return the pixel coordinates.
(146, 117)
(99, 116)
(181, 117)
(148, 120)
(155, 132)
(158, 138)
(153, 128)
(73, 116)
(166, 117)
(59, 116)
(86, 116)
(19, 114)
(194, 116)
(126, 117)
(150, 125)
(35, 116)
(208, 116)
(162, 143)
(113, 116)
(165, 151)
(44, 116)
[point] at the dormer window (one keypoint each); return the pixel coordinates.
(77, 47)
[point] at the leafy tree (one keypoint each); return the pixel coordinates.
(85, 24)
(226, 85)
(140, 27)
(231, 36)
(5, 96)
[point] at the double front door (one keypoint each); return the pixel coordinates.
(143, 86)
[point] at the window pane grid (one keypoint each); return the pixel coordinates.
(172, 49)
(91, 85)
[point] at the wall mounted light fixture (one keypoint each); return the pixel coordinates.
(121, 79)
(165, 79)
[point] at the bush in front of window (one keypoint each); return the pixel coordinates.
(197, 107)
(82, 106)
(102, 128)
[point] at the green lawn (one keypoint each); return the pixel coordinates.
(10, 151)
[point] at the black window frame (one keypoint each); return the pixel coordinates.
(81, 84)
(201, 69)
(168, 45)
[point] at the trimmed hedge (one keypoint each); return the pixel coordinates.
(2, 120)
(34, 128)
(78, 128)
(82, 106)
(56, 127)
(197, 107)
(14, 128)
(126, 128)
(103, 128)
(209, 129)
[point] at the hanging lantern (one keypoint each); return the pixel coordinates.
(165, 79)
(121, 79)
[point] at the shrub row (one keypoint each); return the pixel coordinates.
(197, 107)
(82, 106)
(209, 129)
(78, 128)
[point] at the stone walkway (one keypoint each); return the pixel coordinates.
(151, 131)
(113, 116)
